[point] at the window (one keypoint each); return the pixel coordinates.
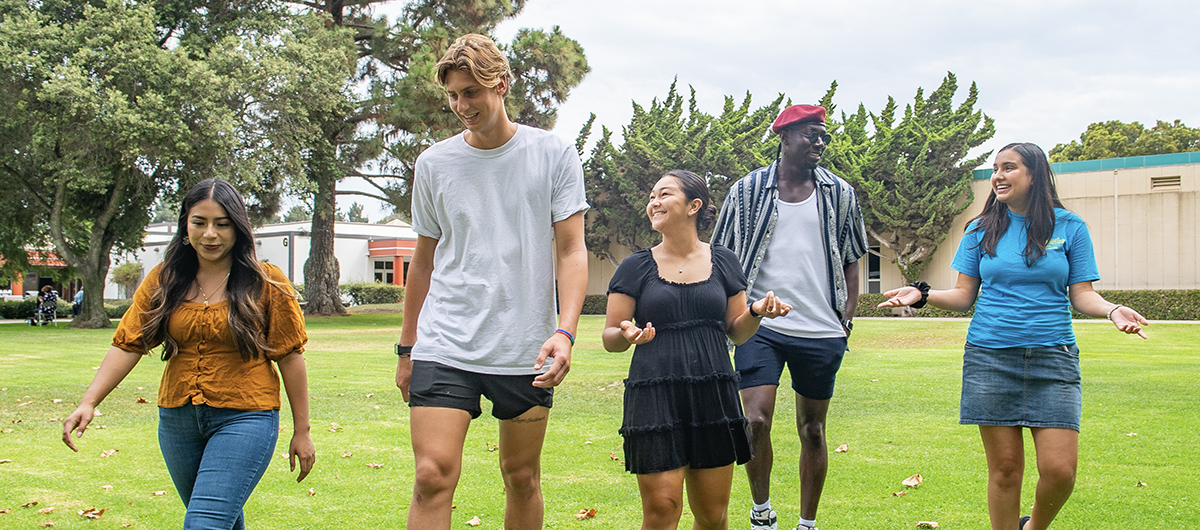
(873, 275)
(384, 271)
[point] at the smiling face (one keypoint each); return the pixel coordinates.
(669, 205)
(1011, 180)
(798, 145)
(481, 109)
(211, 233)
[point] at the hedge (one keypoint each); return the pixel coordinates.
(1154, 304)
(373, 293)
(595, 304)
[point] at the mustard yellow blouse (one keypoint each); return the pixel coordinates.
(208, 370)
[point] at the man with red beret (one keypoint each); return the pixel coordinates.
(798, 231)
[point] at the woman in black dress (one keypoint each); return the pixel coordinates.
(683, 421)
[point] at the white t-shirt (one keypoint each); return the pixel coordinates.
(795, 268)
(491, 301)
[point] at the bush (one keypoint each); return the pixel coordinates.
(18, 310)
(1154, 304)
(373, 293)
(595, 304)
(117, 308)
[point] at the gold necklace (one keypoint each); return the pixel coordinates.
(688, 257)
(201, 289)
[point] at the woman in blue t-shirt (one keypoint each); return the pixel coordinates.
(1031, 257)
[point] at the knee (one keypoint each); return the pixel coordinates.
(759, 422)
(661, 510)
(1059, 475)
(711, 516)
(434, 476)
(1006, 473)
(521, 480)
(812, 432)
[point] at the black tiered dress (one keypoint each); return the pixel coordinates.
(681, 398)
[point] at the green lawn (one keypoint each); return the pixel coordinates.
(896, 408)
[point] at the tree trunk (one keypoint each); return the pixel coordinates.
(91, 314)
(321, 271)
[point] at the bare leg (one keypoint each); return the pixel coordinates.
(662, 499)
(814, 456)
(708, 497)
(437, 440)
(1005, 450)
(521, 441)
(759, 405)
(1057, 459)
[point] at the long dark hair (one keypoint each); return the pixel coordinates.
(247, 319)
(694, 187)
(1039, 210)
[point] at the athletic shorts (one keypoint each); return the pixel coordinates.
(437, 385)
(813, 363)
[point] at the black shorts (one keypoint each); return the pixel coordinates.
(437, 385)
(813, 363)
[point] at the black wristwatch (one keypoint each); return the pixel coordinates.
(848, 324)
(403, 351)
(924, 288)
(753, 313)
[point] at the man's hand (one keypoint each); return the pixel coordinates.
(558, 350)
(403, 376)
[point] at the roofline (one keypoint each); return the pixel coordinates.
(1103, 164)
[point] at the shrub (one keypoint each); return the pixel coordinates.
(18, 310)
(595, 304)
(373, 293)
(117, 308)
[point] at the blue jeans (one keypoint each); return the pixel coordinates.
(216, 457)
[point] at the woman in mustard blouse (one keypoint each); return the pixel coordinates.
(221, 317)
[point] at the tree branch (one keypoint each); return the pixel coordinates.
(362, 194)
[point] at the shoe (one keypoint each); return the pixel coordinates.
(764, 520)
(804, 527)
(1024, 519)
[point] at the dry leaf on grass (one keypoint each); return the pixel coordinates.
(474, 521)
(30, 503)
(142, 400)
(92, 513)
(44, 511)
(3, 510)
(492, 447)
(927, 524)
(312, 492)
(334, 427)
(913, 481)
(47, 524)
(613, 456)
(5, 461)
(1131, 434)
(1141, 485)
(56, 400)
(375, 466)
(109, 453)
(900, 494)
(106, 487)
(585, 513)
(160, 493)
(347, 454)
(842, 449)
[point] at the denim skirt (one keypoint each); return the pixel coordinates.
(1026, 387)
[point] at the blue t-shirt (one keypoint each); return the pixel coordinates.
(1022, 306)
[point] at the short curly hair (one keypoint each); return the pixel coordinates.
(477, 55)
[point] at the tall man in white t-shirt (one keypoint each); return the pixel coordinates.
(798, 231)
(498, 211)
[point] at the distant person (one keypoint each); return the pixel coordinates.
(677, 302)
(77, 304)
(1023, 263)
(498, 210)
(224, 321)
(798, 231)
(47, 304)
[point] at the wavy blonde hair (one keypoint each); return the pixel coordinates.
(477, 55)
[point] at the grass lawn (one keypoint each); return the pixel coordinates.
(896, 408)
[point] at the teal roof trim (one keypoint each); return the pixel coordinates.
(1129, 162)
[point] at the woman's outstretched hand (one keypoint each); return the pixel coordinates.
(636, 335)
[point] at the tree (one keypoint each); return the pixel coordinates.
(355, 214)
(297, 213)
(408, 110)
(1115, 139)
(657, 140)
(127, 276)
(100, 120)
(912, 178)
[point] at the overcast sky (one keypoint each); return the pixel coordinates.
(1045, 69)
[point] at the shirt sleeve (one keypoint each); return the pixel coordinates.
(730, 269)
(627, 279)
(285, 322)
(423, 211)
(128, 336)
(966, 259)
(567, 195)
(1080, 255)
(854, 238)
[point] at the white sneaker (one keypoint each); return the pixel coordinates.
(764, 520)
(804, 527)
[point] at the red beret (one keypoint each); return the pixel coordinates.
(797, 114)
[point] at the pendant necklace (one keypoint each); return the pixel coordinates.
(201, 289)
(688, 257)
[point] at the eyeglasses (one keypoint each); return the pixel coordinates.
(818, 135)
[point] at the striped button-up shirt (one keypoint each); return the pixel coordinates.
(748, 217)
